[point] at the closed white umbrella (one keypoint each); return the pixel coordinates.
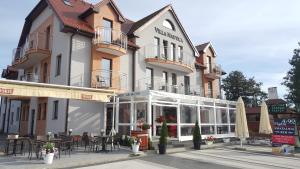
(241, 127)
(264, 123)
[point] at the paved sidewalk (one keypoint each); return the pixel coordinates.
(79, 158)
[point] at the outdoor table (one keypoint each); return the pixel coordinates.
(103, 142)
(15, 140)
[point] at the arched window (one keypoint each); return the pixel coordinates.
(168, 24)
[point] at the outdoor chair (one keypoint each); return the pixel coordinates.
(76, 140)
(113, 142)
(11, 144)
(66, 144)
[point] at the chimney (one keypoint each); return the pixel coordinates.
(272, 93)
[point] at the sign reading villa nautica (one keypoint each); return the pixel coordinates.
(168, 34)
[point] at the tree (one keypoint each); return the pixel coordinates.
(236, 85)
(292, 80)
(197, 139)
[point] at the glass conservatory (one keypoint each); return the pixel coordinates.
(216, 117)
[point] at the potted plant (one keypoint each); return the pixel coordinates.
(145, 126)
(210, 140)
(135, 144)
(49, 149)
(163, 138)
(197, 137)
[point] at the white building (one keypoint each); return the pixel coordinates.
(149, 63)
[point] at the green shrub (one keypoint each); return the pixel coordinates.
(196, 133)
(163, 134)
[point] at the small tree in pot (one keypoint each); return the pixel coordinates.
(197, 137)
(163, 138)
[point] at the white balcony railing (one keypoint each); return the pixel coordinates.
(110, 36)
(32, 77)
(158, 84)
(101, 78)
(213, 69)
(34, 42)
(170, 54)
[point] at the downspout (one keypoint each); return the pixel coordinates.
(69, 80)
(8, 117)
(133, 70)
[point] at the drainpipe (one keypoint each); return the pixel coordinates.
(133, 70)
(69, 81)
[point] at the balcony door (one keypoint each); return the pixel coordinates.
(174, 83)
(105, 79)
(107, 31)
(48, 38)
(187, 85)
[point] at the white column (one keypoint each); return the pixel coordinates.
(228, 119)
(215, 114)
(149, 115)
(105, 117)
(178, 121)
(131, 113)
(199, 114)
(117, 114)
(154, 122)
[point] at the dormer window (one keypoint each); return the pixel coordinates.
(168, 24)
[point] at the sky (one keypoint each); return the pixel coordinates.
(253, 36)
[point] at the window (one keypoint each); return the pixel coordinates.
(209, 66)
(187, 85)
(156, 47)
(168, 24)
(67, 2)
(12, 118)
(55, 110)
(107, 33)
(18, 114)
(106, 75)
(164, 81)
(174, 83)
(173, 52)
(207, 115)
(45, 72)
(165, 51)
(149, 77)
(210, 90)
(58, 65)
(180, 53)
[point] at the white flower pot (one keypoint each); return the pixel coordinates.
(135, 148)
(49, 158)
(209, 143)
(226, 140)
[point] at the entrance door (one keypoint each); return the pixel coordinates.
(107, 25)
(109, 122)
(32, 122)
(187, 85)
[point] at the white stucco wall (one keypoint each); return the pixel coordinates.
(126, 68)
(56, 125)
(86, 116)
(41, 18)
(81, 61)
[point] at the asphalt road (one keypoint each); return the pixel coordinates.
(207, 159)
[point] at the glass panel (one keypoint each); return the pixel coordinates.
(156, 46)
(124, 113)
(232, 116)
(107, 24)
(141, 112)
(124, 130)
(187, 130)
(173, 51)
(105, 78)
(222, 129)
(172, 131)
(188, 114)
(165, 51)
(207, 130)
(221, 116)
(207, 115)
(167, 113)
(149, 77)
(232, 128)
(221, 104)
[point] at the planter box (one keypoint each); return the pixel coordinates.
(143, 135)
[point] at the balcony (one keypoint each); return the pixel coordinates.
(166, 57)
(213, 71)
(37, 47)
(31, 77)
(102, 79)
(158, 84)
(110, 41)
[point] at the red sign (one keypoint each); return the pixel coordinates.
(283, 139)
(6, 91)
(86, 97)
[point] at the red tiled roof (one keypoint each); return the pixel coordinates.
(275, 101)
(69, 15)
